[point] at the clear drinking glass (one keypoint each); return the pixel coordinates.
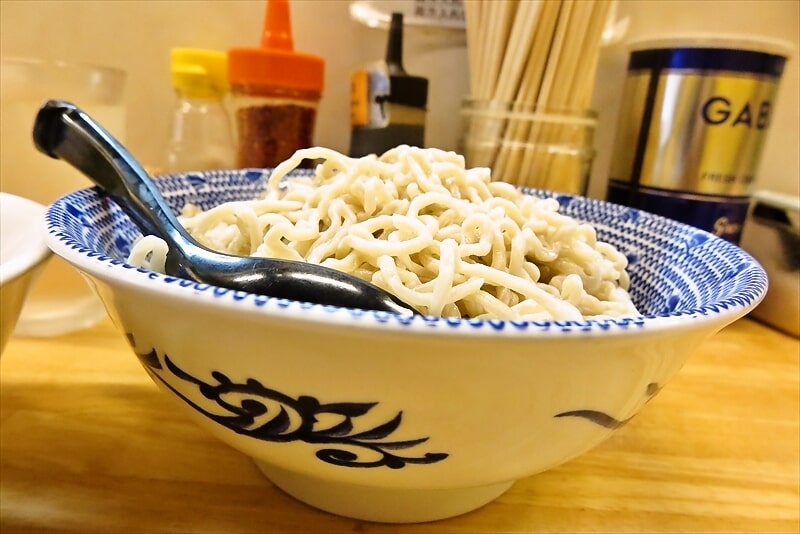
(61, 300)
(548, 149)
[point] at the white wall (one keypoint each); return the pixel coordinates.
(136, 35)
(775, 19)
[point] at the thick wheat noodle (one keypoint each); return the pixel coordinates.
(416, 222)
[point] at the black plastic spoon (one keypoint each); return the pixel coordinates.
(63, 131)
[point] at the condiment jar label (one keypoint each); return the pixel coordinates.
(691, 131)
(370, 92)
(359, 99)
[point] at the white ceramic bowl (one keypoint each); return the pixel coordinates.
(379, 417)
(22, 255)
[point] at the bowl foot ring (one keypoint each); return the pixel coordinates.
(381, 504)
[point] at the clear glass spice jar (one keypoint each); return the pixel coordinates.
(201, 137)
(275, 93)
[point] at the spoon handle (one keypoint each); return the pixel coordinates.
(63, 131)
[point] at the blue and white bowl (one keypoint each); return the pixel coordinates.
(385, 418)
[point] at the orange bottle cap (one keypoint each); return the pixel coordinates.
(275, 63)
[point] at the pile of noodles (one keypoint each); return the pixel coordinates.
(441, 237)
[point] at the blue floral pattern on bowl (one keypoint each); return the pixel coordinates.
(676, 270)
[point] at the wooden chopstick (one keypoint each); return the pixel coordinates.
(538, 56)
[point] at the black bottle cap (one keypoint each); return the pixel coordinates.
(404, 89)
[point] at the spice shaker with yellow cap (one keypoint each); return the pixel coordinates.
(275, 93)
(201, 136)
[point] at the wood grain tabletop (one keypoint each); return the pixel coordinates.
(88, 444)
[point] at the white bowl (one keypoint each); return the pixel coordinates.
(388, 418)
(22, 255)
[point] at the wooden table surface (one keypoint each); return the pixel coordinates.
(88, 444)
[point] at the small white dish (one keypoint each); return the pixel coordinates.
(22, 255)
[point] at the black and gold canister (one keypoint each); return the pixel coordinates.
(692, 124)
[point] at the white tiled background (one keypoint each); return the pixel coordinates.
(136, 35)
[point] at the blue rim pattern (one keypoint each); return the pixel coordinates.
(677, 271)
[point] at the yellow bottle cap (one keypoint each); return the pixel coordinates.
(198, 72)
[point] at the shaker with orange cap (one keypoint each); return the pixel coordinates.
(275, 93)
